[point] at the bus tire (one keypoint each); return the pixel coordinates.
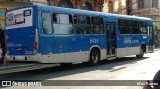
(94, 57)
(141, 54)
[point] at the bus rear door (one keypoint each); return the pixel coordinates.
(110, 33)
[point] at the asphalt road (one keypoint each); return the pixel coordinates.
(128, 68)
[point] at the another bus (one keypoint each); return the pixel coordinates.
(48, 34)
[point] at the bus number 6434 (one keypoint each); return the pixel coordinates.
(93, 40)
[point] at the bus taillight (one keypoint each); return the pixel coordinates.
(35, 46)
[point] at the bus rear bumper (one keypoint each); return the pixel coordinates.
(29, 58)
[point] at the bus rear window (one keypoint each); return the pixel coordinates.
(19, 18)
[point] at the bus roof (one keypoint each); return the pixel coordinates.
(84, 12)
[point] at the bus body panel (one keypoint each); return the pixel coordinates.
(68, 47)
(130, 44)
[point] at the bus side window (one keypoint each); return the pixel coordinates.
(62, 24)
(97, 25)
(143, 28)
(82, 24)
(134, 27)
(123, 26)
(46, 23)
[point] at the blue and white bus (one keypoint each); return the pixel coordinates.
(48, 34)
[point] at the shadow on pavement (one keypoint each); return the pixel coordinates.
(60, 71)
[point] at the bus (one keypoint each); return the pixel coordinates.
(49, 34)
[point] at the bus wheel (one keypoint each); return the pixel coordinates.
(141, 54)
(94, 57)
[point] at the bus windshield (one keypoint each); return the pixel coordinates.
(19, 18)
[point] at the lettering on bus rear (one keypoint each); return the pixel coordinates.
(14, 45)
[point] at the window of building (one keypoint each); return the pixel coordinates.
(110, 7)
(15, 0)
(97, 25)
(62, 24)
(128, 6)
(87, 6)
(140, 4)
(82, 24)
(154, 3)
(12, 0)
(134, 27)
(46, 23)
(123, 26)
(65, 3)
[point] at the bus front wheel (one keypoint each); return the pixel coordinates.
(94, 57)
(141, 54)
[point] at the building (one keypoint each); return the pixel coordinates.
(12, 3)
(147, 8)
(94, 5)
(111, 6)
(117, 6)
(151, 9)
